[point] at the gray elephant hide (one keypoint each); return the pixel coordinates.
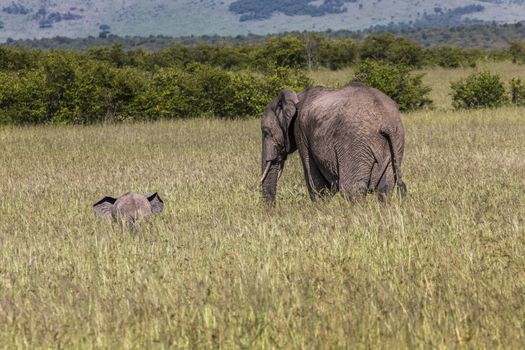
(130, 207)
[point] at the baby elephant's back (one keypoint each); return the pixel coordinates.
(131, 207)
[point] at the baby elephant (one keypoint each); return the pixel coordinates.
(129, 207)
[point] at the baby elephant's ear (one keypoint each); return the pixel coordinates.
(156, 202)
(103, 207)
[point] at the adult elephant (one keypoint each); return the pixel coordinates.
(350, 140)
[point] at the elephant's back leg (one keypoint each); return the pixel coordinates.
(386, 182)
(381, 176)
(356, 169)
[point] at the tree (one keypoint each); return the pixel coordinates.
(478, 90)
(104, 31)
(288, 51)
(336, 54)
(389, 48)
(395, 81)
(517, 51)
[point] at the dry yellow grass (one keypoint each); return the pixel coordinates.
(443, 268)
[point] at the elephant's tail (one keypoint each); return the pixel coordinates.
(395, 157)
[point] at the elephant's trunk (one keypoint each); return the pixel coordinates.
(269, 181)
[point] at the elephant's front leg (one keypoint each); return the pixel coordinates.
(318, 186)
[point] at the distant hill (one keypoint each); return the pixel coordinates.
(28, 19)
(486, 36)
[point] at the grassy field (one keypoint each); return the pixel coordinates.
(443, 268)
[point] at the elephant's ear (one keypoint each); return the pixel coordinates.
(157, 205)
(103, 207)
(288, 101)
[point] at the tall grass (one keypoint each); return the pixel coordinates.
(442, 268)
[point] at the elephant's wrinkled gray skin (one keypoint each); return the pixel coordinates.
(350, 140)
(130, 207)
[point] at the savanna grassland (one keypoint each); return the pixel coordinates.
(442, 268)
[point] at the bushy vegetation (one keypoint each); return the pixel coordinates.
(517, 91)
(517, 51)
(334, 50)
(491, 37)
(111, 83)
(478, 90)
(392, 49)
(397, 82)
(202, 90)
(61, 87)
(453, 57)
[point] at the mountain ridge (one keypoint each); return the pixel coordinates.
(33, 19)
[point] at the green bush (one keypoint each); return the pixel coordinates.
(391, 49)
(517, 51)
(517, 92)
(288, 51)
(87, 91)
(451, 57)
(250, 92)
(209, 91)
(22, 98)
(478, 90)
(17, 59)
(63, 91)
(67, 88)
(118, 92)
(337, 54)
(397, 82)
(177, 93)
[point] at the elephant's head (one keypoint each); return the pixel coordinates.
(129, 207)
(277, 140)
